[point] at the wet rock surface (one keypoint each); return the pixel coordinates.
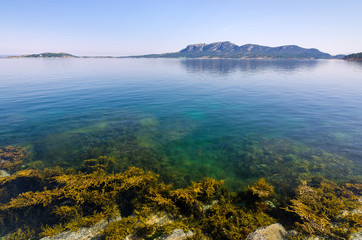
(272, 232)
(178, 234)
(96, 231)
(4, 173)
(85, 233)
(356, 236)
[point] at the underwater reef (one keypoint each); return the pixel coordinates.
(36, 202)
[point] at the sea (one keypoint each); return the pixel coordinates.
(187, 119)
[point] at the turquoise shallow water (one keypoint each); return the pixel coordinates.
(186, 119)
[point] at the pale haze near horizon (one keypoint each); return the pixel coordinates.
(120, 28)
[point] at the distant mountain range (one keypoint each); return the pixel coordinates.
(218, 50)
(354, 57)
(231, 50)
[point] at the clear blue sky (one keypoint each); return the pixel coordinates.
(128, 27)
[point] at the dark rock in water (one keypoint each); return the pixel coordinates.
(272, 232)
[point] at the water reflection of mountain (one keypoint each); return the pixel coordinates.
(357, 64)
(231, 65)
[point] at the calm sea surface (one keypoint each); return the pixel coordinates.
(236, 120)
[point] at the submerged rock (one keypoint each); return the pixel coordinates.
(208, 206)
(178, 234)
(4, 173)
(159, 219)
(272, 232)
(356, 236)
(94, 232)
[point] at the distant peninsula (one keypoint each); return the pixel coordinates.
(354, 57)
(217, 50)
(46, 55)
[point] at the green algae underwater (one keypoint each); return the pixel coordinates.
(38, 200)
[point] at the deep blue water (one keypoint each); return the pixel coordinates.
(230, 119)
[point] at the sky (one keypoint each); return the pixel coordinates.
(134, 27)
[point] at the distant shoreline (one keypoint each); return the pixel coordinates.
(136, 57)
(216, 50)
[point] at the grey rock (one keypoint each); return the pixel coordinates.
(160, 218)
(356, 236)
(4, 173)
(96, 231)
(178, 234)
(207, 207)
(272, 232)
(85, 233)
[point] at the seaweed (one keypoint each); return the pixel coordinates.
(326, 209)
(38, 201)
(24, 233)
(12, 157)
(27, 180)
(118, 230)
(285, 159)
(227, 221)
(69, 200)
(105, 163)
(72, 199)
(222, 220)
(261, 189)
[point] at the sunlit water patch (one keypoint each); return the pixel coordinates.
(237, 120)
